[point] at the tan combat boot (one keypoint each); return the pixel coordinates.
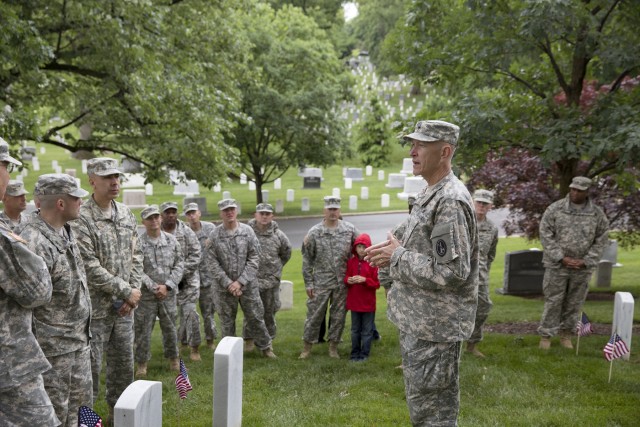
(333, 350)
(195, 354)
(306, 352)
(174, 364)
(471, 348)
(545, 343)
(269, 353)
(565, 342)
(249, 346)
(142, 370)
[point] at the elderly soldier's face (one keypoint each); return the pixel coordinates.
(151, 223)
(4, 177)
(577, 196)
(106, 187)
(426, 157)
(170, 217)
(193, 216)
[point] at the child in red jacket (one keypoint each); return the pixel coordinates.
(362, 281)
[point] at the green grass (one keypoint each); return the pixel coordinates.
(516, 385)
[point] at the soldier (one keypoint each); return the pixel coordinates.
(108, 242)
(189, 287)
(487, 242)
(434, 268)
(573, 232)
(275, 252)
(325, 251)
(234, 255)
(207, 295)
(163, 267)
(62, 326)
(15, 203)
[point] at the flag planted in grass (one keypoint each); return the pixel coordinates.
(584, 326)
(183, 385)
(615, 348)
(88, 418)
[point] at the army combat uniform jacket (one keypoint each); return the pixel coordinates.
(275, 252)
(163, 264)
(191, 253)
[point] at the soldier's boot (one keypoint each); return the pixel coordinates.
(249, 345)
(333, 350)
(545, 343)
(142, 370)
(306, 352)
(565, 342)
(195, 354)
(211, 344)
(471, 348)
(269, 353)
(174, 364)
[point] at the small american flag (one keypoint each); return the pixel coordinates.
(615, 348)
(584, 326)
(88, 418)
(183, 385)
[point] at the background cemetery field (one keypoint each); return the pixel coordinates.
(516, 385)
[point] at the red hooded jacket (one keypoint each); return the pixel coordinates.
(361, 297)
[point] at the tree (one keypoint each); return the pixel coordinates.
(290, 96)
(154, 80)
(374, 136)
(522, 74)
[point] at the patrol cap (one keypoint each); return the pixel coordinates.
(4, 153)
(485, 196)
(264, 207)
(191, 207)
(168, 205)
(103, 166)
(58, 183)
(15, 188)
(580, 183)
(150, 210)
(435, 130)
(331, 202)
(227, 203)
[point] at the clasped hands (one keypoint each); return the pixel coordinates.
(573, 263)
(235, 289)
(130, 303)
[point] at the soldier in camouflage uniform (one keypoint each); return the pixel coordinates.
(163, 267)
(108, 241)
(275, 252)
(15, 203)
(189, 287)
(207, 300)
(574, 233)
(434, 268)
(234, 255)
(487, 242)
(62, 326)
(325, 251)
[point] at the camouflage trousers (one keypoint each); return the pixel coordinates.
(27, 405)
(484, 307)
(336, 299)
(431, 380)
(145, 316)
(207, 305)
(189, 330)
(69, 385)
(271, 304)
(112, 341)
(564, 294)
(251, 305)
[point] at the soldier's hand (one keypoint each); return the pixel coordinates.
(161, 292)
(134, 297)
(235, 289)
(379, 255)
(125, 310)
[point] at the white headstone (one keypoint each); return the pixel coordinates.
(384, 200)
(279, 206)
(412, 186)
(277, 184)
(265, 196)
(24, 172)
(407, 166)
(364, 193)
(139, 405)
(183, 188)
(227, 382)
(335, 192)
(305, 204)
(396, 180)
(290, 195)
(83, 162)
(623, 318)
(353, 202)
(54, 164)
(226, 194)
(252, 186)
(57, 169)
(217, 188)
(368, 170)
(347, 183)
(380, 175)
(243, 179)
(134, 198)
(43, 150)
(19, 178)
(132, 180)
(148, 189)
(286, 295)
(71, 172)
(312, 172)
(354, 173)
(36, 164)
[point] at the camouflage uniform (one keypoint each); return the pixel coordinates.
(24, 284)
(189, 287)
(11, 224)
(14, 188)
(325, 252)
(275, 252)
(487, 242)
(578, 233)
(208, 296)
(163, 264)
(235, 256)
(113, 262)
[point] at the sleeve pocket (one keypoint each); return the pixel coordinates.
(442, 243)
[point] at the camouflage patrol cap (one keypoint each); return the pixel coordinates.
(103, 166)
(15, 188)
(58, 183)
(4, 153)
(227, 203)
(168, 205)
(264, 207)
(580, 183)
(331, 202)
(435, 130)
(150, 210)
(485, 196)
(190, 207)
